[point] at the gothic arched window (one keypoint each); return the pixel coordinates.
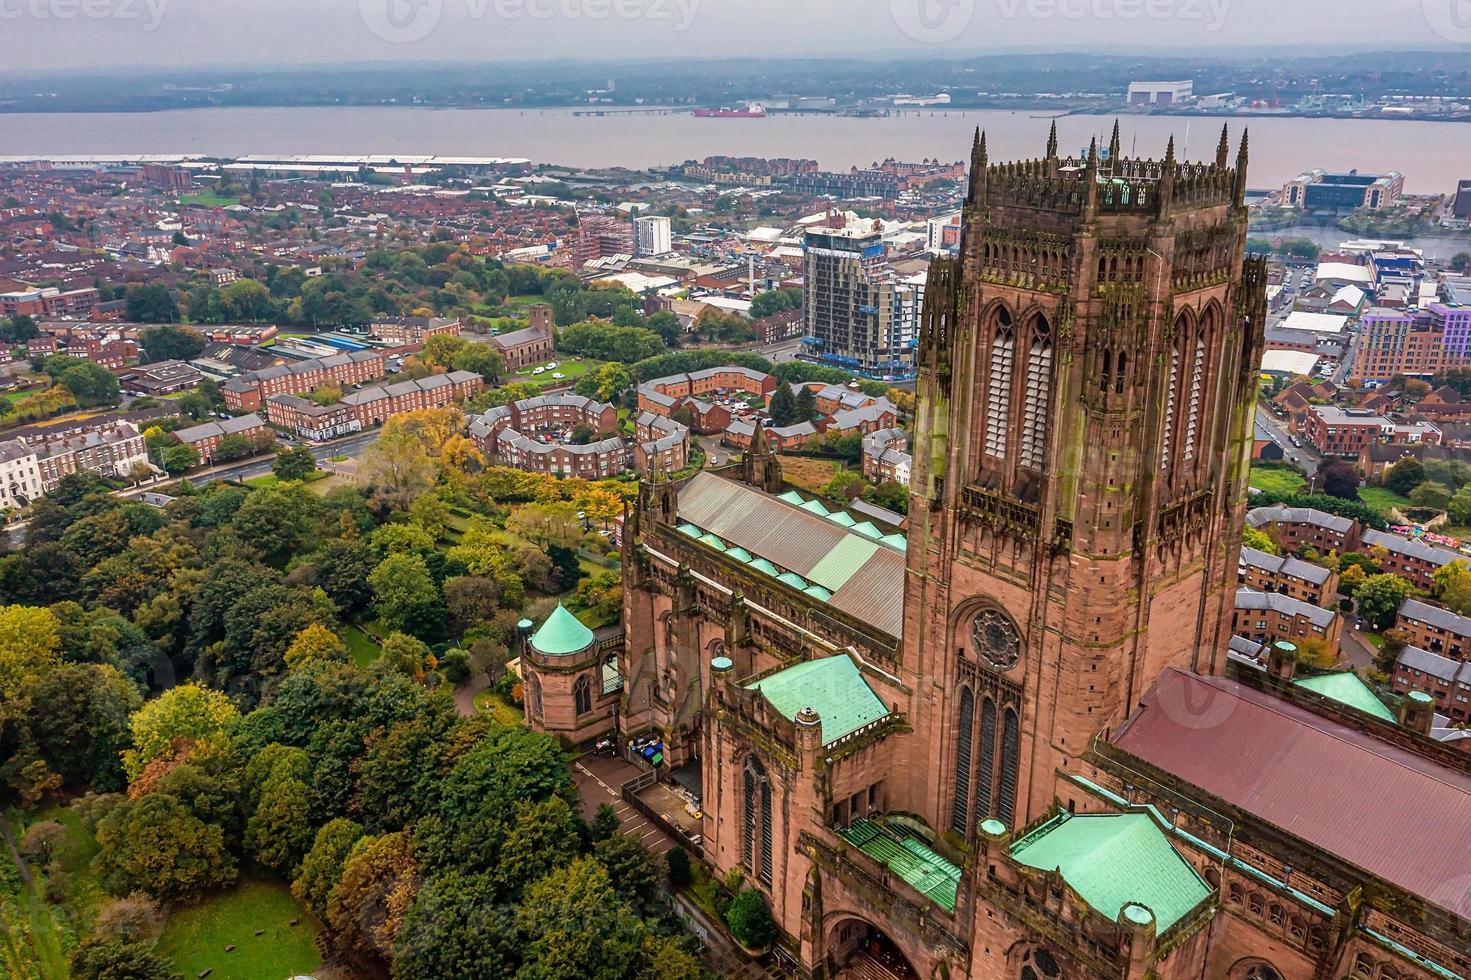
(756, 819)
(582, 694)
(1010, 759)
(998, 393)
(985, 765)
(1037, 409)
(533, 684)
(1118, 384)
(1039, 964)
(960, 805)
(1173, 396)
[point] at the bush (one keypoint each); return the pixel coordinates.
(750, 920)
(455, 665)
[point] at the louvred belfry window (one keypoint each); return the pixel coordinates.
(1037, 408)
(1167, 438)
(1010, 759)
(985, 767)
(1192, 421)
(998, 393)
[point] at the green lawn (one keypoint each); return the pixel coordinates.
(1382, 499)
(209, 200)
(35, 935)
(500, 709)
(570, 369)
(195, 937)
(364, 651)
(271, 479)
(1277, 479)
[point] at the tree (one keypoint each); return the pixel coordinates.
(457, 927)
(1340, 479)
(806, 404)
(1430, 495)
(631, 871)
(111, 959)
(86, 722)
(403, 590)
(1461, 261)
(155, 845)
(279, 833)
(1380, 596)
(546, 525)
(232, 447)
(1453, 586)
(604, 822)
(750, 920)
(42, 840)
(1352, 577)
(180, 717)
(379, 884)
(1459, 507)
(398, 466)
(152, 303)
(575, 926)
(19, 329)
(91, 384)
(278, 522)
(315, 644)
(783, 407)
(407, 655)
(1405, 476)
(678, 860)
(246, 300)
(294, 464)
(321, 869)
(178, 459)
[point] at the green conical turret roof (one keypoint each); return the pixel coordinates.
(561, 634)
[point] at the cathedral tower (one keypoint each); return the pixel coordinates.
(1087, 379)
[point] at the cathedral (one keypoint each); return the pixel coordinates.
(1007, 740)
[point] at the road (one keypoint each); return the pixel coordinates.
(353, 446)
(1352, 647)
(1303, 457)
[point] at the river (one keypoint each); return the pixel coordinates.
(1433, 156)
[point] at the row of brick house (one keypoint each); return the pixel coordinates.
(206, 437)
(516, 435)
(1265, 617)
(250, 392)
(371, 406)
(886, 458)
(1289, 576)
(1297, 528)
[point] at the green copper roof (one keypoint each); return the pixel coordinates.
(792, 497)
(868, 530)
(895, 541)
(909, 858)
(762, 565)
(840, 517)
(1346, 688)
(713, 542)
(739, 554)
(689, 529)
(818, 592)
(561, 634)
(793, 579)
(831, 686)
(1113, 859)
(814, 507)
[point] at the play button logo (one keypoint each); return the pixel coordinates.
(1451, 19)
(401, 21)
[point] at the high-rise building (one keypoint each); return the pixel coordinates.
(1417, 343)
(853, 317)
(1017, 739)
(651, 235)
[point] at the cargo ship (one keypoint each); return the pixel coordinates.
(751, 110)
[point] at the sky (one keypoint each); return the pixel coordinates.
(73, 34)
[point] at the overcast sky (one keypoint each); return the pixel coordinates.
(161, 33)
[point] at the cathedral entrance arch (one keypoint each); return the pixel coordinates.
(856, 949)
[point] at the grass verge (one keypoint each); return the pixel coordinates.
(195, 937)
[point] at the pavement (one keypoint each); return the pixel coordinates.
(1303, 456)
(1353, 647)
(598, 779)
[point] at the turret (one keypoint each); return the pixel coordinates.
(1239, 191)
(1114, 149)
(1223, 148)
(977, 189)
(1052, 142)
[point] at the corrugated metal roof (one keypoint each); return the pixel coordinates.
(865, 577)
(912, 860)
(1337, 789)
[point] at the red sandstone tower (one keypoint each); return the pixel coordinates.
(1085, 408)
